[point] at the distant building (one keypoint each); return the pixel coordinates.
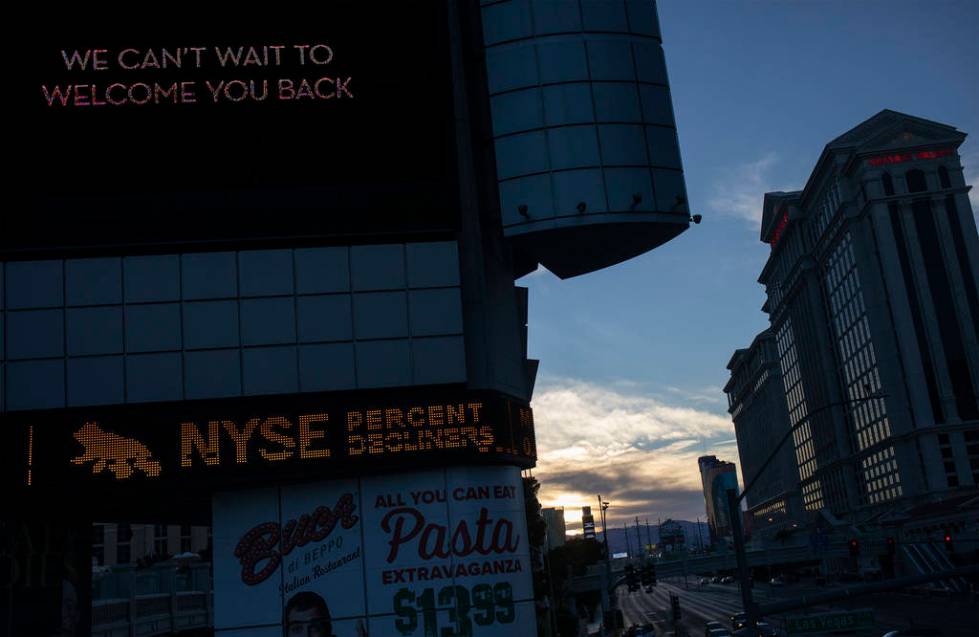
(717, 477)
(556, 527)
(587, 523)
(756, 402)
(672, 538)
(117, 544)
(872, 289)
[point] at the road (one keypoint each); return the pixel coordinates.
(719, 601)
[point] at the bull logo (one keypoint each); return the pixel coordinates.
(119, 455)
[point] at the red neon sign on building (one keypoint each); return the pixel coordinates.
(780, 228)
(900, 158)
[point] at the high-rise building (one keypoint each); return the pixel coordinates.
(556, 527)
(587, 523)
(717, 477)
(756, 402)
(872, 291)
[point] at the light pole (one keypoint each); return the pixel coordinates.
(606, 601)
(734, 507)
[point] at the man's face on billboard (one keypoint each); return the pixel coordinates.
(307, 623)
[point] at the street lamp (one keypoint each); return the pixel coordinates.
(734, 505)
(606, 601)
(603, 506)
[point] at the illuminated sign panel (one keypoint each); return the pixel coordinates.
(130, 449)
(900, 158)
(783, 222)
(333, 123)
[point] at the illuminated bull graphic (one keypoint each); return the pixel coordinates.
(108, 451)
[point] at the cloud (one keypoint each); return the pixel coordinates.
(710, 394)
(640, 453)
(741, 190)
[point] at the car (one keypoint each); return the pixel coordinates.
(716, 629)
(649, 588)
(762, 629)
(738, 620)
(728, 580)
(777, 581)
(704, 581)
(716, 579)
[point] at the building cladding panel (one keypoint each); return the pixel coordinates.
(137, 329)
(872, 289)
(582, 120)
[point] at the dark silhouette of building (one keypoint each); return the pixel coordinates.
(871, 288)
(756, 402)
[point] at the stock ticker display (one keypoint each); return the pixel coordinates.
(126, 449)
(333, 123)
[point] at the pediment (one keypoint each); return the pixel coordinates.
(889, 130)
(907, 135)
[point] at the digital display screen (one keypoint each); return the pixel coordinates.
(329, 123)
(129, 449)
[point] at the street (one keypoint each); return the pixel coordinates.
(718, 602)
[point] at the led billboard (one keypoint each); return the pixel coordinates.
(133, 451)
(262, 125)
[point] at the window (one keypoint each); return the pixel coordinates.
(185, 538)
(160, 540)
(124, 537)
(943, 177)
(916, 180)
(857, 361)
(888, 184)
(98, 544)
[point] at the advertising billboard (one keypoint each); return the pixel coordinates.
(333, 122)
(438, 552)
(99, 455)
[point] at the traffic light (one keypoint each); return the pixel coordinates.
(854, 547)
(648, 575)
(948, 542)
(891, 546)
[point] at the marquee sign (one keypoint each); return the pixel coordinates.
(328, 123)
(129, 449)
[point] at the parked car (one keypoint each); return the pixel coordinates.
(716, 579)
(777, 581)
(704, 581)
(728, 580)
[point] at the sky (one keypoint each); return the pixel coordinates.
(633, 357)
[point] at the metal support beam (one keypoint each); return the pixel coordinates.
(734, 513)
